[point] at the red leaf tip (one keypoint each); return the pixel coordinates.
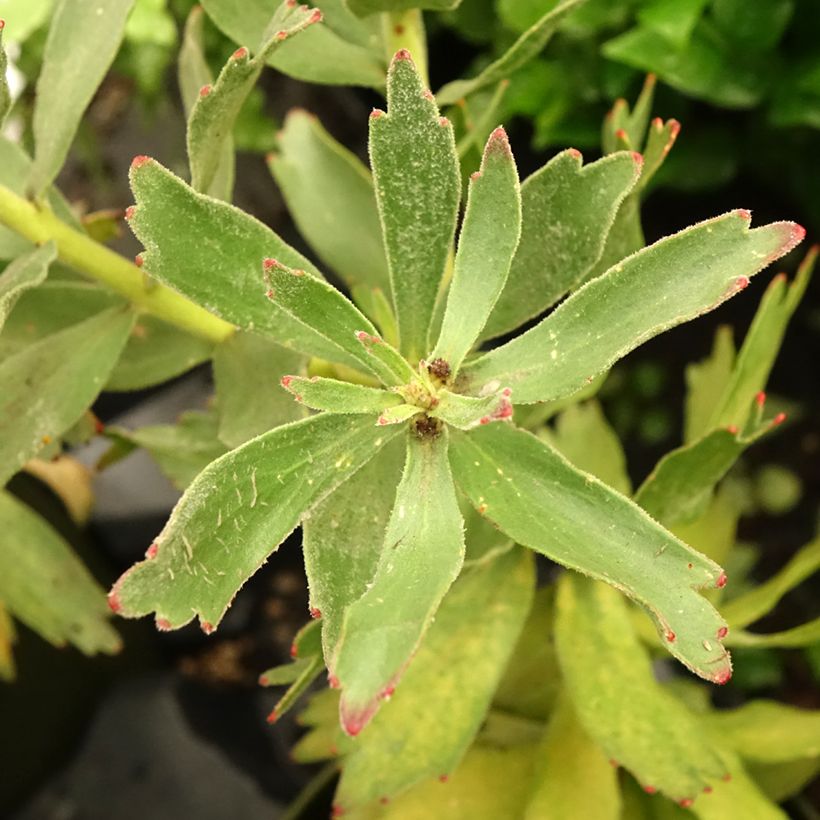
(743, 213)
(778, 419)
(650, 789)
(620, 134)
(721, 581)
(727, 777)
(741, 282)
(240, 53)
(670, 636)
(443, 778)
(285, 381)
(163, 624)
(760, 399)
(294, 650)
(206, 627)
(129, 212)
(637, 158)
(205, 90)
(2, 24)
(657, 123)
(686, 802)
(151, 552)
(270, 264)
(674, 129)
(272, 717)
(337, 811)
(707, 789)
(316, 17)
(443, 122)
(475, 175)
(114, 603)
(402, 54)
(732, 428)
(722, 677)
(263, 680)
(139, 161)
(376, 113)
(315, 613)
(333, 682)
(722, 632)
(138, 260)
(575, 153)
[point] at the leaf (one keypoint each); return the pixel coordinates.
(181, 450)
(418, 185)
(5, 94)
(762, 599)
(568, 210)
(249, 499)
(672, 19)
(365, 7)
(308, 670)
(541, 501)
(343, 540)
(399, 413)
(193, 74)
(43, 584)
(48, 385)
(486, 246)
(467, 412)
(342, 51)
(322, 310)
(573, 777)
(83, 39)
(804, 635)
(674, 280)
(525, 48)
(329, 194)
(214, 114)
(207, 235)
(609, 677)
(156, 352)
(8, 637)
(23, 17)
(337, 396)
(247, 370)
(434, 715)
(422, 556)
(23, 273)
(705, 382)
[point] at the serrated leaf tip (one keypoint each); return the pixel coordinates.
(138, 260)
(637, 158)
(207, 628)
(722, 632)
(401, 55)
(114, 603)
(575, 153)
(721, 581)
(240, 53)
(139, 161)
(205, 90)
(744, 213)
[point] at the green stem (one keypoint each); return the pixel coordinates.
(39, 225)
(405, 29)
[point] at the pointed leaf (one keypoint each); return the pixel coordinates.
(235, 514)
(423, 554)
(247, 370)
(317, 306)
(214, 114)
(337, 396)
(83, 39)
(541, 501)
(568, 209)
(399, 413)
(659, 141)
(308, 670)
(705, 382)
(617, 699)
(466, 412)
(674, 280)
(329, 194)
(23, 273)
(439, 707)
(46, 586)
(527, 46)
(344, 537)
(804, 635)
(46, 387)
(418, 184)
(207, 235)
(487, 242)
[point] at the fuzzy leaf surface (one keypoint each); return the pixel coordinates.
(617, 699)
(486, 246)
(527, 46)
(46, 586)
(339, 397)
(344, 537)
(247, 370)
(83, 39)
(568, 209)
(541, 501)
(422, 556)
(438, 708)
(675, 280)
(705, 383)
(418, 186)
(466, 412)
(235, 514)
(46, 386)
(25, 272)
(212, 236)
(329, 194)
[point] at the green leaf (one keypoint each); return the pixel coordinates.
(541, 501)
(5, 94)
(659, 141)
(207, 235)
(609, 677)
(466, 412)
(193, 74)
(803, 635)
(308, 670)
(758, 27)
(317, 306)
(329, 194)
(342, 51)
(214, 114)
(573, 777)
(436, 712)
(568, 210)
(247, 370)
(181, 450)
(365, 7)
(339, 397)
(83, 39)
(527, 46)
(23, 17)
(344, 537)
(155, 353)
(45, 585)
(705, 382)
(780, 781)
(486, 246)
(235, 514)
(418, 184)
(48, 385)
(399, 413)
(674, 280)
(8, 637)
(762, 599)
(422, 556)
(674, 20)
(23, 273)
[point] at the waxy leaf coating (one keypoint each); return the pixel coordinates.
(237, 512)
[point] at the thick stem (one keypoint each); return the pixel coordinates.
(405, 29)
(95, 260)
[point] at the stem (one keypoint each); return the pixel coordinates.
(405, 29)
(39, 225)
